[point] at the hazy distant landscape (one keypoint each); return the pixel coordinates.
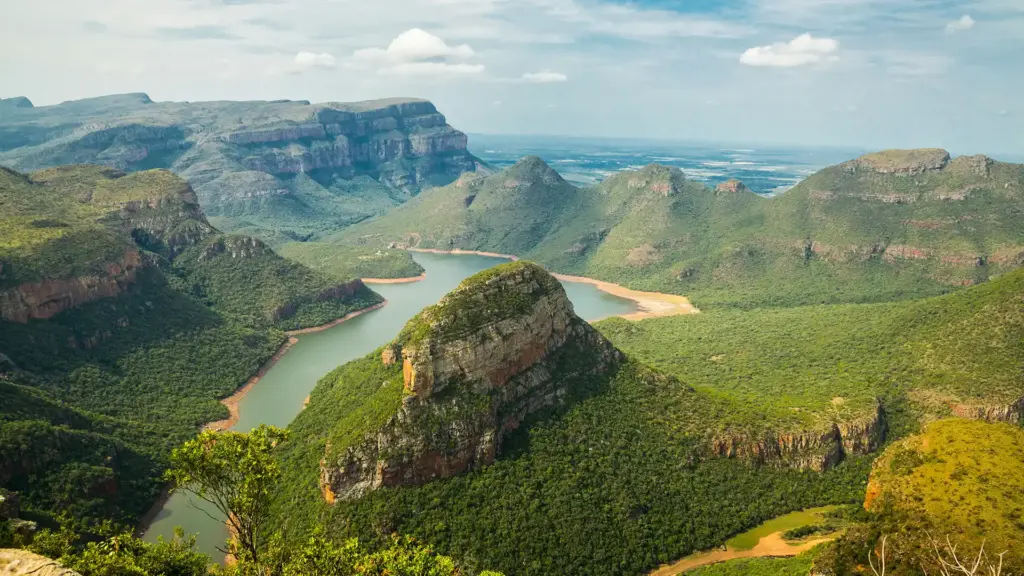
(585, 161)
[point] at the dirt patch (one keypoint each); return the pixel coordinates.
(771, 546)
(394, 280)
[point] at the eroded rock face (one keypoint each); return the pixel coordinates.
(496, 350)
(25, 563)
(239, 247)
(810, 450)
(42, 300)
(732, 186)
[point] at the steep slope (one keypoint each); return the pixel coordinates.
(280, 170)
(124, 316)
(956, 479)
(885, 226)
(501, 428)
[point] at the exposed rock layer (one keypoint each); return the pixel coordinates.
(25, 563)
(474, 370)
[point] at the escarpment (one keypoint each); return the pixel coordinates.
(504, 345)
(44, 299)
(816, 450)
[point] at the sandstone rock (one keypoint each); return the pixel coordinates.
(977, 165)
(25, 563)
(502, 346)
(901, 162)
(809, 450)
(731, 186)
(42, 300)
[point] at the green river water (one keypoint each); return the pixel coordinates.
(279, 395)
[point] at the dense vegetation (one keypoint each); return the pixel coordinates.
(791, 368)
(347, 262)
(93, 398)
(613, 485)
(957, 479)
(845, 234)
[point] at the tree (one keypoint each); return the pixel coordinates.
(236, 473)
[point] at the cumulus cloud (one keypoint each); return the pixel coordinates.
(308, 60)
(417, 51)
(804, 50)
(545, 77)
(965, 22)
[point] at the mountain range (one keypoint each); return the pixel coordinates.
(280, 170)
(884, 226)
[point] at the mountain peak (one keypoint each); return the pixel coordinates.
(531, 170)
(15, 102)
(915, 161)
(657, 178)
(474, 367)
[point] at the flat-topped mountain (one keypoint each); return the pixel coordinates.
(284, 169)
(888, 225)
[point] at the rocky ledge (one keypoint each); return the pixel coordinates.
(42, 300)
(810, 450)
(901, 162)
(504, 345)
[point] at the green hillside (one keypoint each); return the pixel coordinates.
(789, 369)
(124, 317)
(631, 475)
(347, 262)
(958, 480)
(888, 226)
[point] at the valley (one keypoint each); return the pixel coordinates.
(495, 367)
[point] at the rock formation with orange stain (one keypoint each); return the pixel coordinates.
(504, 345)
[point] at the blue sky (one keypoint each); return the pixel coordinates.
(862, 73)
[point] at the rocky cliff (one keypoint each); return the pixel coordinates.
(809, 450)
(42, 300)
(504, 345)
(287, 166)
(24, 563)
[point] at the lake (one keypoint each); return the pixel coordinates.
(279, 395)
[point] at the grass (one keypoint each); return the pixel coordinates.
(795, 566)
(749, 539)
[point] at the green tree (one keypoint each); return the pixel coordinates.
(236, 473)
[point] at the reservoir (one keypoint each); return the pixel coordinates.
(279, 395)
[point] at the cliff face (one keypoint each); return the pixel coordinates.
(235, 152)
(500, 348)
(42, 300)
(810, 450)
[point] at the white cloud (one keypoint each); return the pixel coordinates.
(307, 60)
(415, 45)
(545, 77)
(804, 50)
(416, 51)
(964, 23)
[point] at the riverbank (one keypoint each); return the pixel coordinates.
(232, 402)
(771, 546)
(650, 304)
(394, 280)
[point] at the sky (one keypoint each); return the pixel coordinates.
(849, 73)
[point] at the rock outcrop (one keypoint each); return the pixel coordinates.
(42, 300)
(24, 563)
(810, 450)
(504, 345)
(731, 186)
(901, 162)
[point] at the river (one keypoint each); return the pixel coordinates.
(279, 395)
